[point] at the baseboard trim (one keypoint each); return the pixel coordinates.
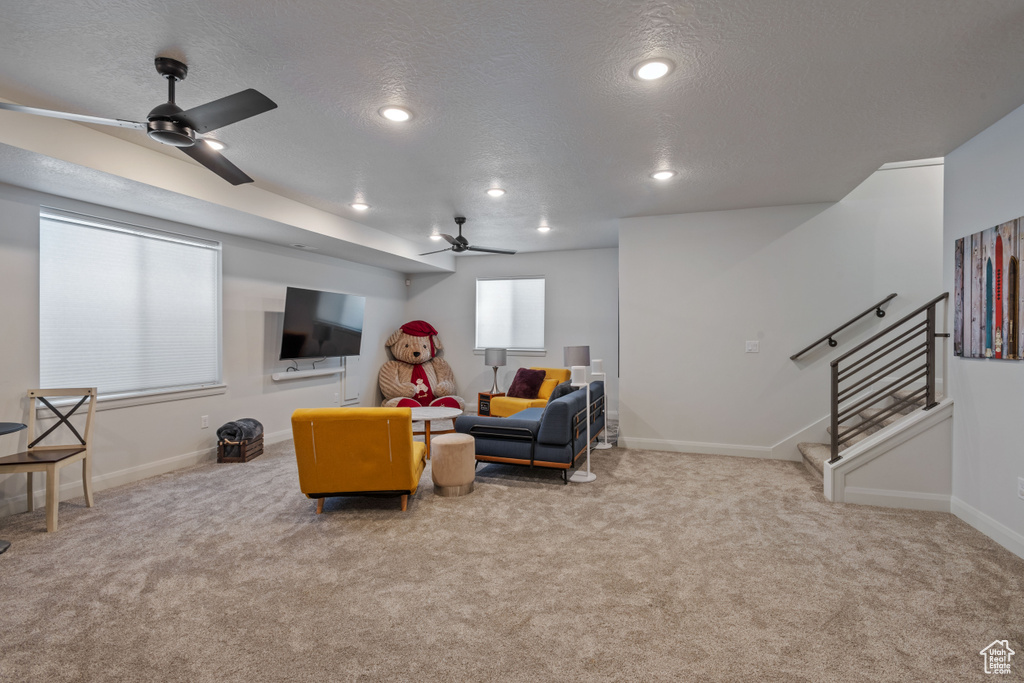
(72, 488)
(910, 500)
(814, 433)
(994, 529)
(704, 448)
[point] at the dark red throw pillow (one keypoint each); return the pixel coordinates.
(526, 383)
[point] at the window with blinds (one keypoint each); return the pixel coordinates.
(129, 310)
(510, 313)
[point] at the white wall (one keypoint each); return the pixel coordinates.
(139, 441)
(985, 187)
(581, 308)
(695, 287)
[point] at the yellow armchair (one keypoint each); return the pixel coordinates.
(503, 406)
(357, 452)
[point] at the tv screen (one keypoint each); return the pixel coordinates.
(321, 324)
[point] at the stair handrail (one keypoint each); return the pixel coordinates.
(864, 393)
(877, 309)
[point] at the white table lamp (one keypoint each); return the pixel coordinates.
(496, 359)
(578, 358)
(597, 372)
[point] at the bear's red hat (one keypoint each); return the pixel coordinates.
(421, 328)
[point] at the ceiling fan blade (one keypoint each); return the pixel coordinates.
(225, 111)
(450, 240)
(216, 162)
(490, 251)
(81, 118)
(436, 252)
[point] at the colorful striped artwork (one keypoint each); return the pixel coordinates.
(988, 295)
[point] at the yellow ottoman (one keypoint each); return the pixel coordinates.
(453, 464)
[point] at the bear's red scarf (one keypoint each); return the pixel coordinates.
(424, 396)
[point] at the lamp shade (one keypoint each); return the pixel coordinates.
(575, 356)
(494, 357)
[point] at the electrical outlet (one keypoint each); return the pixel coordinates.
(1020, 487)
(753, 347)
(204, 421)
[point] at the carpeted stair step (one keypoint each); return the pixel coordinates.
(904, 394)
(856, 438)
(815, 455)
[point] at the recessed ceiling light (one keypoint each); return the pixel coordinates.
(435, 237)
(398, 114)
(214, 143)
(359, 206)
(543, 228)
(652, 69)
(495, 191)
(663, 175)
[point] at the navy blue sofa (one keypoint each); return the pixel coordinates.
(553, 436)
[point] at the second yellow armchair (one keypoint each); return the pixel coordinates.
(503, 406)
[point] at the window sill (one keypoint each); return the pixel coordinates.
(516, 352)
(115, 401)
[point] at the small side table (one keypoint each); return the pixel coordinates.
(428, 413)
(483, 402)
(9, 428)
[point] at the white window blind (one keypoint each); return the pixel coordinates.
(510, 313)
(126, 309)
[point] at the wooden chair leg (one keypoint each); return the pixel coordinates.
(31, 493)
(87, 479)
(320, 505)
(405, 502)
(52, 497)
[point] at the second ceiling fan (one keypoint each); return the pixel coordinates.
(460, 244)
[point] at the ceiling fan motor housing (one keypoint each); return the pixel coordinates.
(163, 129)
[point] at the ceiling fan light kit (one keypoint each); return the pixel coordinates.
(169, 124)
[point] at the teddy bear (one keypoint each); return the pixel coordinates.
(418, 376)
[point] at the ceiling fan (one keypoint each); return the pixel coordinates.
(171, 125)
(461, 244)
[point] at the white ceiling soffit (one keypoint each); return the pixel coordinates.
(71, 160)
(770, 103)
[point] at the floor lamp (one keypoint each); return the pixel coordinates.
(597, 372)
(578, 358)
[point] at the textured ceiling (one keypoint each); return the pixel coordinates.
(782, 102)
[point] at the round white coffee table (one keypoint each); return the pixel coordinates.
(425, 415)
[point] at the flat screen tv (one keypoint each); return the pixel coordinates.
(321, 324)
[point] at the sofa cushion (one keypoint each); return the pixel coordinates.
(560, 391)
(526, 383)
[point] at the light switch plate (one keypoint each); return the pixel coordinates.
(753, 347)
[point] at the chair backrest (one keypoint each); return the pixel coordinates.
(71, 436)
(552, 378)
(354, 449)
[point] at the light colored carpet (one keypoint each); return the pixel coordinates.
(668, 568)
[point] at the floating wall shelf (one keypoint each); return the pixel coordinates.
(299, 374)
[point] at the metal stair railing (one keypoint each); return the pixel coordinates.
(895, 359)
(877, 308)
